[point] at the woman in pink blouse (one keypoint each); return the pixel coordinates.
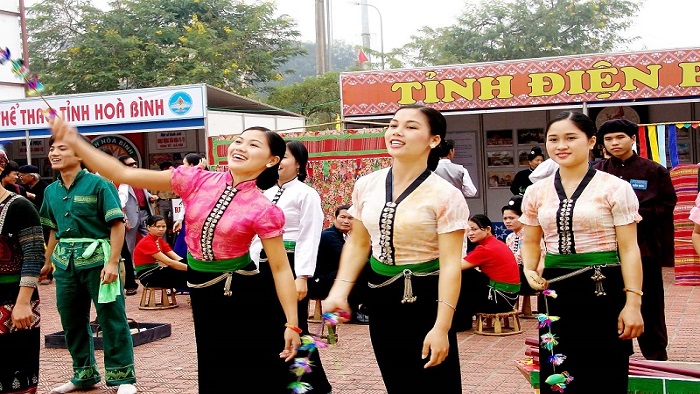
(588, 219)
(412, 222)
(224, 211)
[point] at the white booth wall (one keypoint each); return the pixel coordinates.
(10, 30)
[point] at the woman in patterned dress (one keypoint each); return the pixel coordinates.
(588, 219)
(412, 222)
(21, 259)
(225, 210)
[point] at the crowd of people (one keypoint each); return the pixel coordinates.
(405, 255)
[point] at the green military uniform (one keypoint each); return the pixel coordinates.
(82, 217)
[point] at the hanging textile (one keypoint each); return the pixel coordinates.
(673, 145)
(642, 135)
(661, 138)
(687, 262)
(653, 144)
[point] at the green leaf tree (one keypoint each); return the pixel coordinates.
(501, 30)
(144, 43)
(317, 98)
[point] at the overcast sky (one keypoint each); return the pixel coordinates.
(661, 24)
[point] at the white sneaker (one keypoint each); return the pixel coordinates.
(126, 389)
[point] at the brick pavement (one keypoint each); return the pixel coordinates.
(488, 363)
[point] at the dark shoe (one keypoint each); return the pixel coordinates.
(359, 318)
(130, 291)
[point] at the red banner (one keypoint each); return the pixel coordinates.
(521, 83)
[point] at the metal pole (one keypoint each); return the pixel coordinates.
(329, 35)
(321, 63)
(381, 31)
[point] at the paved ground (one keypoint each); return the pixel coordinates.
(488, 363)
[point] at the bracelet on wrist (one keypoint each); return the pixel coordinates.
(344, 280)
(635, 291)
(293, 328)
(448, 304)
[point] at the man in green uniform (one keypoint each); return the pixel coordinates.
(87, 232)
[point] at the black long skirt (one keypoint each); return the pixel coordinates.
(19, 371)
(317, 377)
(398, 331)
(587, 333)
(239, 337)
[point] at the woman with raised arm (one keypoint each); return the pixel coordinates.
(224, 211)
(412, 222)
(592, 270)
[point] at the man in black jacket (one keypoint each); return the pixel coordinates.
(328, 260)
(657, 199)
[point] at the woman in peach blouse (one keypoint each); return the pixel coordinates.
(593, 265)
(412, 222)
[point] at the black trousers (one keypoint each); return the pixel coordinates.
(130, 274)
(654, 340)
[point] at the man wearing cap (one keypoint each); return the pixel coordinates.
(657, 199)
(30, 178)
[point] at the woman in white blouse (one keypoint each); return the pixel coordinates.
(303, 224)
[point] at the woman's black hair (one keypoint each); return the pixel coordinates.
(270, 175)
(581, 120)
(438, 126)
(11, 166)
(482, 221)
(534, 152)
(193, 159)
(301, 155)
(153, 219)
(515, 205)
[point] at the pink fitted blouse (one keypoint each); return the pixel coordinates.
(605, 203)
(221, 220)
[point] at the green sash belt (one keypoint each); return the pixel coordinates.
(144, 267)
(289, 245)
(393, 270)
(227, 265)
(108, 291)
(580, 260)
(10, 278)
(507, 287)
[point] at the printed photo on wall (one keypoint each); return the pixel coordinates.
(503, 158)
(522, 158)
(499, 137)
(500, 179)
(530, 136)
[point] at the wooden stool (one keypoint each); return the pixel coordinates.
(526, 311)
(498, 324)
(332, 336)
(318, 308)
(149, 298)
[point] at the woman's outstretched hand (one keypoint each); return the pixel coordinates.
(62, 131)
(291, 344)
